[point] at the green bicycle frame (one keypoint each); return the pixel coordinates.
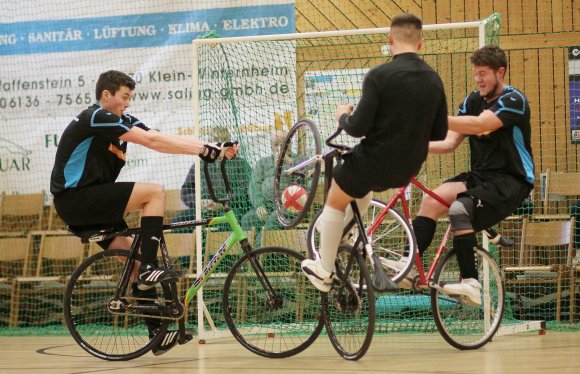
(237, 235)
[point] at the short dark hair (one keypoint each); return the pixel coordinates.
(490, 55)
(111, 81)
(407, 19)
(407, 28)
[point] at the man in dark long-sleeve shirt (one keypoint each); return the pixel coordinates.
(402, 108)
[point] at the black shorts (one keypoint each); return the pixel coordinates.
(495, 196)
(95, 207)
(356, 181)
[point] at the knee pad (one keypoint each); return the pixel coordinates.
(461, 214)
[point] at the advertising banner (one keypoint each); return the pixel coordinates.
(52, 58)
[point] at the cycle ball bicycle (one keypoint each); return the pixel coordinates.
(461, 325)
(268, 305)
(350, 305)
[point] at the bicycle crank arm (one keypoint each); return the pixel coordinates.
(437, 287)
(381, 281)
(171, 311)
(184, 336)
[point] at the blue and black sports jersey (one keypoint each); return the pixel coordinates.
(90, 151)
(508, 149)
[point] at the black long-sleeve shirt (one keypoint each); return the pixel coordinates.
(402, 108)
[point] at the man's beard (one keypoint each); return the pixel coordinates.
(492, 93)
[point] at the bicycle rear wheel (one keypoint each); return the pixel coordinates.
(462, 326)
(393, 239)
(350, 306)
(277, 312)
(294, 191)
(102, 333)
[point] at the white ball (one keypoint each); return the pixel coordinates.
(294, 198)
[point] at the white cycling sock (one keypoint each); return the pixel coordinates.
(331, 226)
(362, 203)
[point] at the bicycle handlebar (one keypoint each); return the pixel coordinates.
(209, 183)
(336, 146)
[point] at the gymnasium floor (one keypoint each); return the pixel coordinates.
(555, 352)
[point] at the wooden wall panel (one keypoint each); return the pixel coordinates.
(516, 24)
(377, 15)
(560, 106)
(429, 12)
(545, 22)
(529, 17)
(473, 11)
(486, 8)
(531, 87)
(547, 115)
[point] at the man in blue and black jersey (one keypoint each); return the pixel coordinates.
(496, 119)
(89, 158)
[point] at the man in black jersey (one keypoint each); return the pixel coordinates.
(90, 155)
(402, 108)
(496, 119)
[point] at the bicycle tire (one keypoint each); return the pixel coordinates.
(301, 143)
(350, 327)
(273, 331)
(393, 239)
(469, 327)
(92, 325)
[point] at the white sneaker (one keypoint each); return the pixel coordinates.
(318, 276)
(468, 291)
(393, 267)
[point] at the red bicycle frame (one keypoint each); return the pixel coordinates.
(400, 196)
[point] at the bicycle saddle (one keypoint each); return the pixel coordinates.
(91, 235)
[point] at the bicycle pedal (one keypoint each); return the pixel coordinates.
(188, 337)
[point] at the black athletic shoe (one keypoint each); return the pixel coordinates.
(149, 276)
(169, 341)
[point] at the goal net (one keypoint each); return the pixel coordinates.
(258, 87)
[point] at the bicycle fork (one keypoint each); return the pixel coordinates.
(381, 282)
(274, 300)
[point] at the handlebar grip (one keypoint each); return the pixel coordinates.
(332, 137)
(209, 183)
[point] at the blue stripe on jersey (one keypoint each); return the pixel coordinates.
(111, 124)
(463, 108)
(524, 154)
(503, 108)
(73, 170)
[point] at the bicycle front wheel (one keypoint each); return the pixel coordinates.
(463, 326)
(114, 336)
(350, 306)
(393, 239)
(294, 190)
(274, 312)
